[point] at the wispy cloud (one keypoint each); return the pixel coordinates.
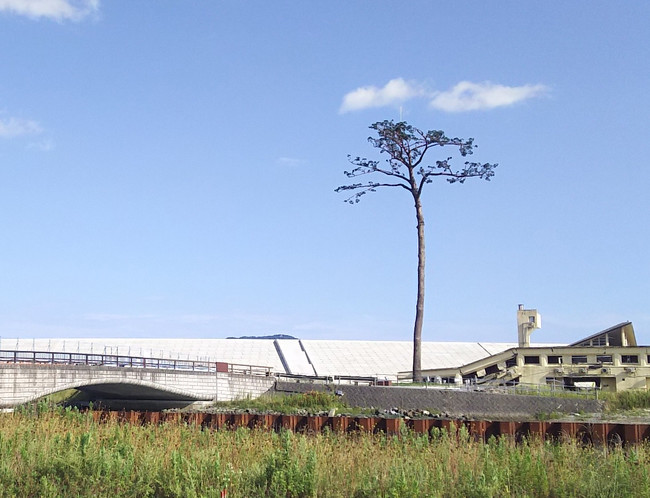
(114, 317)
(15, 127)
(395, 92)
(464, 96)
(44, 145)
(290, 161)
(315, 326)
(468, 96)
(58, 10)
(187, 319)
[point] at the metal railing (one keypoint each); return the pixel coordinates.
(325, 379)
(121, 361)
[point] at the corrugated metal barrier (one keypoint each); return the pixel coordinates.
(602, 433)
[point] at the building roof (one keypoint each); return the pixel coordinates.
(621, 334)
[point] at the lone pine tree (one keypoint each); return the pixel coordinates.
(406, 147)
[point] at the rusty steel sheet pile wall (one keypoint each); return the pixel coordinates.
(602, 433)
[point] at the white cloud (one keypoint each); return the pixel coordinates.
(394, 92)
(290, 161)
(464, 96)
(45, 145)
(58, 10)
(15, 127)
(468, 96)
(112, 317)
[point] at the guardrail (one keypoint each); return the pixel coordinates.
(121, 361)
(328, 379)
(359, 380)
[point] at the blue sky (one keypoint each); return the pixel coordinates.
(167, 169)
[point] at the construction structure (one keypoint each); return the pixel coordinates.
(293, 357)
(609, 360)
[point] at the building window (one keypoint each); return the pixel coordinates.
(554, 360)
(604, 358)
(531, 360)
(602, 340)
(511, 362)
(629, 358)
(492, 369)
(599, 341)
(579, 359)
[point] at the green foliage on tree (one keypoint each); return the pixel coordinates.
(405, 167)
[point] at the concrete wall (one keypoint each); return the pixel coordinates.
(22, 383)
(239, 386)
(328, 357)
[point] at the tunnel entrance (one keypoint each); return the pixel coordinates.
(128, 397)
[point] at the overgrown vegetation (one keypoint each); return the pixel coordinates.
(66, 453)
(627, 400)
(312, 402)
(545, 416)
(62, 396)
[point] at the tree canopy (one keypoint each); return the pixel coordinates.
(406, 147)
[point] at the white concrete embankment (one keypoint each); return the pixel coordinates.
(20, 383)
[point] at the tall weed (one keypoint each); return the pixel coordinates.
(67, 453)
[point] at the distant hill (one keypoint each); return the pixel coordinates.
(274, 336)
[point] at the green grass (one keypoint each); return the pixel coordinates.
(66, 453)
(312, 402)
(546, 416)
(626, 400)
(61, 397)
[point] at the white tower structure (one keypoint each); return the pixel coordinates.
(527, 321)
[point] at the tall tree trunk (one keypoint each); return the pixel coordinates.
(419, 307)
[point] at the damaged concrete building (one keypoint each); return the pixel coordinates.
(609, 360)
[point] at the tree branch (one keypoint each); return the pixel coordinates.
(365, 188)
(406, 147)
